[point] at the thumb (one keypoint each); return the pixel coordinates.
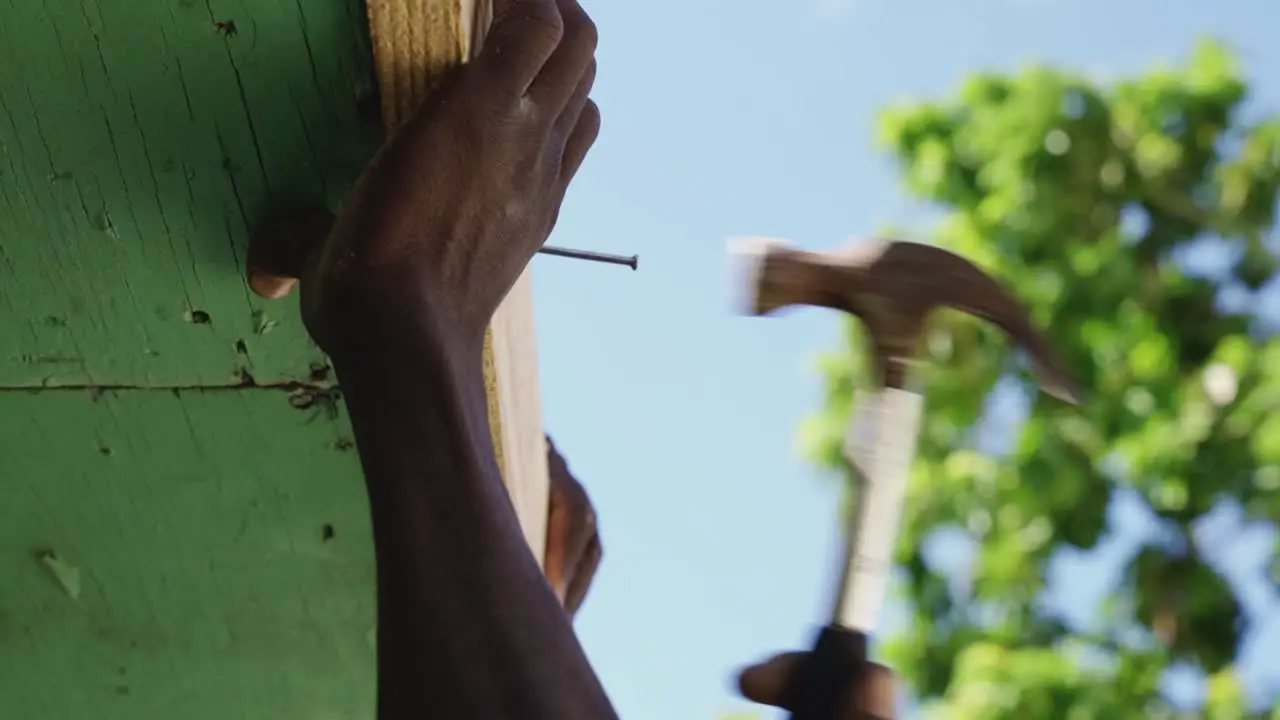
(766, 683)
(283, 245)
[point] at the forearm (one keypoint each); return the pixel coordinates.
(468, 627)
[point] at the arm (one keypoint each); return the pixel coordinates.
(468, 626)
(398, 293)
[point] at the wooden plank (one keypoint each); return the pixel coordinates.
(416, 42)
(216, 552)
(139, 142)
(516, 391)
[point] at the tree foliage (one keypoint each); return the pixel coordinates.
(1085, 199)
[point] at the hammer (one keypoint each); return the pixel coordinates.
(892, 287)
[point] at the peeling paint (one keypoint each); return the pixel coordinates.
(262, 324)
(67, 575)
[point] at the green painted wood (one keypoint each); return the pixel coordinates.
(163, 551)
(139, 142)
(213, 558)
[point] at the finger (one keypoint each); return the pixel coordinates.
(575, 152)
(563, 71)
(571, 525)
(555, 564)
(577, 102)
(281, 246)
(570, 535)
(767, 683)
(523, 35)
(583, 576)
(583, 540)
(582, 519)
(579, 142)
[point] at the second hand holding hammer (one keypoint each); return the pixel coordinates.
(892, 287)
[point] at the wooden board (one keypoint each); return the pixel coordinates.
(139, 142)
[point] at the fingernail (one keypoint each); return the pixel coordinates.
(271, 287)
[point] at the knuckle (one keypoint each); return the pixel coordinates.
(589, 121)
(587, 81)
(575, 497)
(525, 30)
(581, 31)
(542, 25)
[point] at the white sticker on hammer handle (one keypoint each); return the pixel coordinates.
(881, 445)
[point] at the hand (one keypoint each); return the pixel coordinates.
(573, 541)
(766, 683)
(452, 208)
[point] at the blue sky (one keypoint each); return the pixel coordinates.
(732, 117)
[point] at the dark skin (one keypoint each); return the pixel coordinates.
(398, 293)
(573, 551)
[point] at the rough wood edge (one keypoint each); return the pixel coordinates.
(415, 42)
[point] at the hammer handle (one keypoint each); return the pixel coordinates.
(823, 687)
(879, 446)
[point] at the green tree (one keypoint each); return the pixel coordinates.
(1084, 198)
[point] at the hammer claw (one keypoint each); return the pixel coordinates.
(974, 292)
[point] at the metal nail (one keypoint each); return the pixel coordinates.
(631, 262)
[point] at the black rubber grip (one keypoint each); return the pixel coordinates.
(823, 686)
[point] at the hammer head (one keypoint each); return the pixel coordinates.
(763, 275)
(892, 286)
